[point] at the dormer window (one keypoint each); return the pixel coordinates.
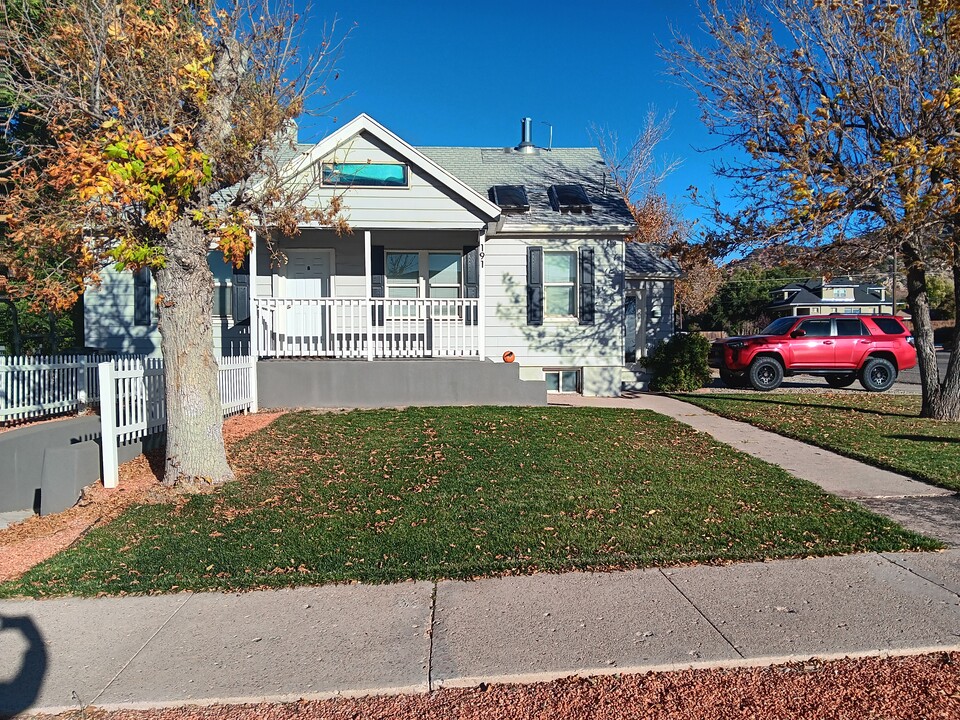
(569, 198)
(364, 174)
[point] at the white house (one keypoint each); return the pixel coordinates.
(457, 256)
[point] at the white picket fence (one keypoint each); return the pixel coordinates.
(133, 404)
(33, 387)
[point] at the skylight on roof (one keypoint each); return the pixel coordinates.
(510, 198)
(569, 198)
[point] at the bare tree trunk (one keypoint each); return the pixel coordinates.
(941, 399)
(195, 455)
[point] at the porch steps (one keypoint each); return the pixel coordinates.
(325, 383)
(634, 380)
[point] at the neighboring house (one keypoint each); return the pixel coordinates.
(822, 297)
(456, 253)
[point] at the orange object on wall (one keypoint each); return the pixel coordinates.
(509, 357)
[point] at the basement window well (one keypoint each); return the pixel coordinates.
(562, 381)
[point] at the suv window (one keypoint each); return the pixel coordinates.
(850, 326)
(889, 325)
(815, 328)
(779, 326)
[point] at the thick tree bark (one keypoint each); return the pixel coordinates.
(941, 397)
(195, 455)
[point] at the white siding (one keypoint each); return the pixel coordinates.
(108, 321)
(597, 348)
(424, 204)
(108, 316)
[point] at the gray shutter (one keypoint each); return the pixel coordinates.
(471, 278)
(587, 306)
(534, 286)
(141, 297)
(378, 280)
(241, 293)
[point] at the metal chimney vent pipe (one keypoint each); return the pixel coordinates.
(525, 146)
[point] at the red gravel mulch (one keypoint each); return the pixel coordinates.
(914, 688)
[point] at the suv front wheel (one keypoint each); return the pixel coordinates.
(878, 375)
(765, 374)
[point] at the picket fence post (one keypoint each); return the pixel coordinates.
(108, 424)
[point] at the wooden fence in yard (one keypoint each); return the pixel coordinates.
(34, 387)
(133, 402)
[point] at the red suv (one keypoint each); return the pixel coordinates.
(840, 348)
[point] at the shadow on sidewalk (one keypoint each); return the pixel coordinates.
(19, 690)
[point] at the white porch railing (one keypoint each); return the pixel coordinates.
(368, 327)
(133, 402)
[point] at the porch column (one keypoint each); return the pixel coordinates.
(481, 302)
(368, 284)
(254, 324)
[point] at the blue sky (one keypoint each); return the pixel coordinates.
(464, 73)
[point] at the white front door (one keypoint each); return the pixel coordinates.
(308, 273)
(308, 277)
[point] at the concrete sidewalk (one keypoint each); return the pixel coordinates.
(930, 510)
(356, 639)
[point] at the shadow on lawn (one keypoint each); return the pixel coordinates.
(924, 438)
(800, 403)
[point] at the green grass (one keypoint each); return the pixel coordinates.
(381, 496)
(882, 430)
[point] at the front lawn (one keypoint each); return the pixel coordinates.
(882, 430)
(383, 496)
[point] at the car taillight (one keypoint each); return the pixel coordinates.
(911, 341)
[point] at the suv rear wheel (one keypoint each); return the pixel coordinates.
(765, 374)
(878, 375)
(841, 381)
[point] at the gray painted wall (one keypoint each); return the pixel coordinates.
(393, 383)
(45, 466)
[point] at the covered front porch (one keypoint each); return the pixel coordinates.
(396, 294)
(368, 328)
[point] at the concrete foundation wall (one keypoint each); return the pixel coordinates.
(392, 383)
(44, 466)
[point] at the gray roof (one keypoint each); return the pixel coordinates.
(810, 292)
(648, 259)
(482, 168)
